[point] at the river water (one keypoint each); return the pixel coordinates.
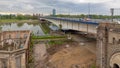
(35, 28)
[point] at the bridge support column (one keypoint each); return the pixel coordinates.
(67, 25)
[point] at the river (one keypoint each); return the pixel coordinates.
(35, 28)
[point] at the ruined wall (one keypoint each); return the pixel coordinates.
(14, 34)
(108, 44)
(16, 58)
(10, 60)
(113, 45)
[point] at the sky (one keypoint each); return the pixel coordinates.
(61, 6)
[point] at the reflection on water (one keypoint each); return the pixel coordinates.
(35, 28)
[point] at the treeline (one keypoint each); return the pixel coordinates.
(89, 16)
(19, 17)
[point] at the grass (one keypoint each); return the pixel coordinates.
(45, 28)
(17, 21)
(93, 66)
(47, 37)
(55, 42)
(31, 57)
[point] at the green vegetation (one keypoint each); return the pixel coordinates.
(60, 26)
(55, 43)
(31, 58)
(52, 40)
(93, 66)
(18, 17)
(18, 21)
(54, 46)
(47, 37)
(45, 28)
(58, 42)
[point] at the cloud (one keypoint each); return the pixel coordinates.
(113, 4)
(86, 1)
(62, 6)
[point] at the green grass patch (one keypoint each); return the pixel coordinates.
(52, 43)
(45, 28)
(93, 66)
(18, 21)
(55, 43)
(31, 59)
(47, 37)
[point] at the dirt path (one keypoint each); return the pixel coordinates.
(72, 56)
(39, 55)
(88, 44)
(76, 56)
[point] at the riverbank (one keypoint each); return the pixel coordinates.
(45, 28)
(18, 21)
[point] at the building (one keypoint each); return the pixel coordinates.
(54, 12)
(108, 46)
(14, 47)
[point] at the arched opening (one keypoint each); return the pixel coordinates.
(116, 66)
(114, 60)
(113, 40)
(119, 41)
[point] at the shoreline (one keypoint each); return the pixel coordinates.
(5, 21)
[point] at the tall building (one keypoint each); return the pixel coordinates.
(54, 12)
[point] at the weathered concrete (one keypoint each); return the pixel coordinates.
(108, 45)
(17, 55)
(90, 28)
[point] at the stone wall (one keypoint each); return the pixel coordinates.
(14, 34)
(10, 59)
(16, 58)
(113, 44)
(108, 43)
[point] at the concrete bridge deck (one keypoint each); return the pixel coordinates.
(74, 24)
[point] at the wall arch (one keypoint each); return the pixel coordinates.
(115, 60)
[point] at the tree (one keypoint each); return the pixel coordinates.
(60, 26)
(20, 17)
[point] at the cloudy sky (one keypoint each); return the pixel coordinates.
(61, 6)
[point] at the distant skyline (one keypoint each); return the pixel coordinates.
(61, 6)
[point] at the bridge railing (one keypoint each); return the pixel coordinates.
(77, 20)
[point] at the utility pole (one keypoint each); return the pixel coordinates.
(112, 13)
(88, 10)
(88, 15)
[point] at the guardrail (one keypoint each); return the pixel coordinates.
(72, 20)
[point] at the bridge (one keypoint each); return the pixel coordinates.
(107, 36)
(77, 24)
